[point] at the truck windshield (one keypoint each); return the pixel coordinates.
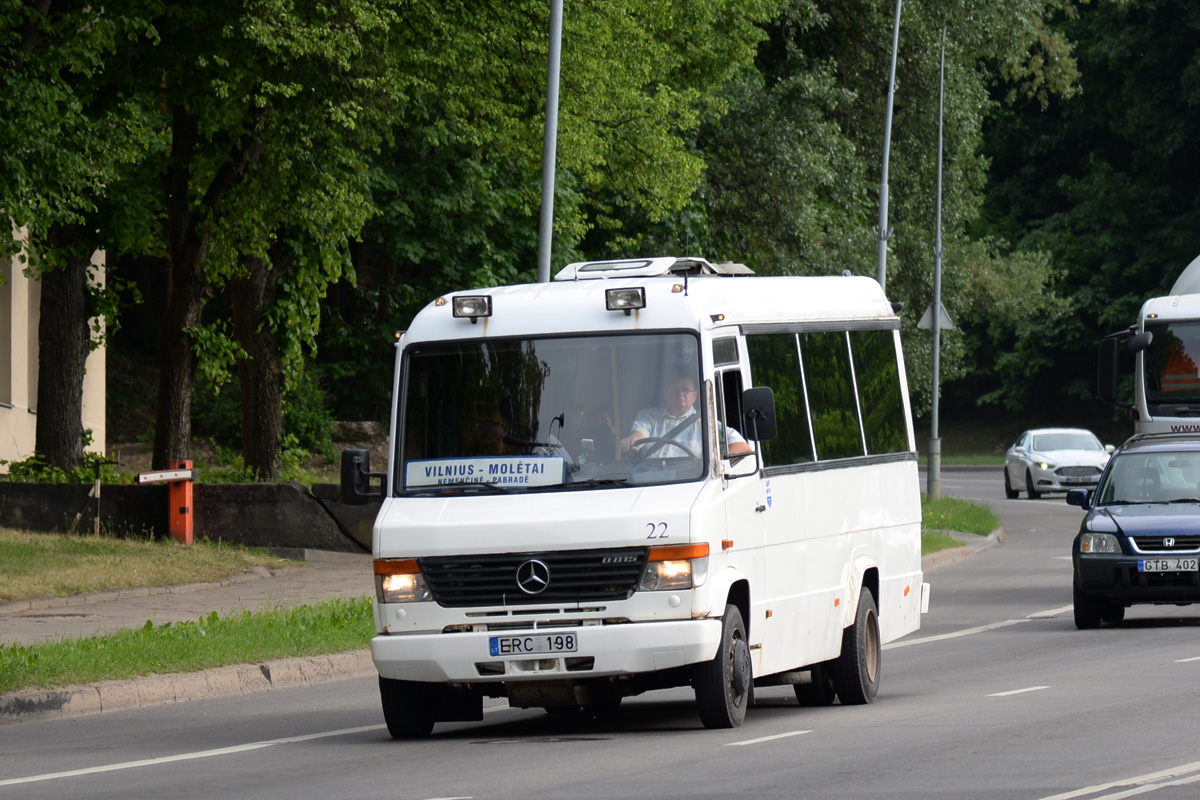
(550, 414)
(1172, 377)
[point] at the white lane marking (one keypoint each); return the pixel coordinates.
(991, 626)
(1140, 780)
(1019, 691)
(1054, 612)
(954, 634)
(220, 751)
(1186, 660)
(767, 738)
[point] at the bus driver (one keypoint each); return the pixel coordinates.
(677, 420)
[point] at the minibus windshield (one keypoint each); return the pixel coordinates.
(551, 414)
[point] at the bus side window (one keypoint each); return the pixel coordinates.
(775, 361)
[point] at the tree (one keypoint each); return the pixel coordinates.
(64, 135)
(792, 185)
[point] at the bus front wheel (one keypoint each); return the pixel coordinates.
(405, 709)
(723, 685)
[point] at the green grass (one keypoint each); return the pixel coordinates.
(942, 518)
(61, 565)
(333, 626)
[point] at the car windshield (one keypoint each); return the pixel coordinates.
(1151, 478)
(549, 414)
(1068, 440)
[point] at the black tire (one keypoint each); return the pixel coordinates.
(1113, 613)
(1034, 494)
(856, 671)
(1088, 610)
(405, 709)
(820, 691)
(1009, 492)
(724, 686)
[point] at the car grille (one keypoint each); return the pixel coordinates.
(575, 576)
(1078, 472)
(1154, 544)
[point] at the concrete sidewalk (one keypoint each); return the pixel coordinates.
(325, 575)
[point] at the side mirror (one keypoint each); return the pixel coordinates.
(1108, 369)
(758, 414)
(1139, 341)
(1108, 448)
(1080, 497)
(356, 478)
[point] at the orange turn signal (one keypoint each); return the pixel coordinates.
(678, 552)
(396, 566)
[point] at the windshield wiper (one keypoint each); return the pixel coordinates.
(461, 486)
(594, 482)
(1185, 500)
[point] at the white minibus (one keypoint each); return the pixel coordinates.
(643, 474)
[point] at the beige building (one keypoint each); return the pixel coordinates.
(20, 304)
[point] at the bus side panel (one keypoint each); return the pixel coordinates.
(818, 523)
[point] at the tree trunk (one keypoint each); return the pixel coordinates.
(188, 287)
(64, 342)
(185, 299)
(261, 375)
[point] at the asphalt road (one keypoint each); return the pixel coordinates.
(997, 696)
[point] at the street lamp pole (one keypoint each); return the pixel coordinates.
(934, 489)
(882, 231)
(549, 146)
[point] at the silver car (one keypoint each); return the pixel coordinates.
(1053, 460)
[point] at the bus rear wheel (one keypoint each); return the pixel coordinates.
(820, 691)
(856, 670)
(723, 686)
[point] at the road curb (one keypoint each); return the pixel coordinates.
(943, 557)
(35, 705)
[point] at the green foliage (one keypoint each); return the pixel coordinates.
(35, 469)
(307, 422)
(1105, 182)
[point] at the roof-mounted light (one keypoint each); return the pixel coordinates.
(625, 299)
(473, 306)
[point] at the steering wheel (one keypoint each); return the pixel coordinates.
(651, 443)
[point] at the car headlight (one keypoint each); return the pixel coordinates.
(1045, 465)
(400, 581)
(675, 567)
(1098, 543)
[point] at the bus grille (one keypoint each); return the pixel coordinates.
(574, 576)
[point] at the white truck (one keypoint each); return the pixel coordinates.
(1162, 350)
(644, 474)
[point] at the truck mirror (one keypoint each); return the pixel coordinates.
(356, 477)
(758, 414)
(1108, 369)
(1139, 342)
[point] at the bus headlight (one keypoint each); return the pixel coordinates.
(675, 567)
(400, 581)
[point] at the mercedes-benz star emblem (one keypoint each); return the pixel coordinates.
(533, 577)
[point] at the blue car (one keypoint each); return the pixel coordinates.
(1140, 540)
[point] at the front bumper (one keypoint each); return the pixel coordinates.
(1116, 578)
(603, 650)
(1044, 481)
